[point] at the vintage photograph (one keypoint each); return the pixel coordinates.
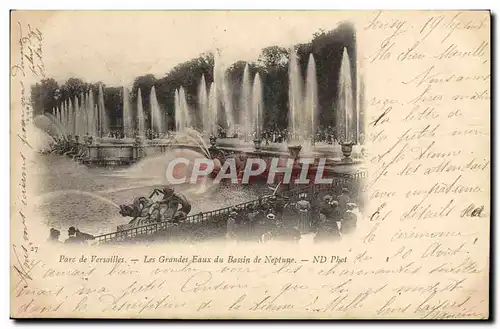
(272, 148)
(250, 164)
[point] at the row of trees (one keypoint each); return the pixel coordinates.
(272, 66)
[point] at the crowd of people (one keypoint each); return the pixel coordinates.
(327, 135)
(74, 236)
(279, 218)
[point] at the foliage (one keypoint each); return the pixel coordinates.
(272, 66)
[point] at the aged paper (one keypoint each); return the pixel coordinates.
(160, 165)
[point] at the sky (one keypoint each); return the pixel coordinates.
(116, 47)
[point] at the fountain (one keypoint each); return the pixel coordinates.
(245, 104)
(203, 101)
(156, 117)
(212, 111)
(311, 97)
(103, 115)
(80, 117)
(140, 115)
(96, 120)
(257, 110)
(85, 116)
(76, 109)
(228, 106)
(127, 115)
(182, 116)
(222, 92)
(345, 106)
(90, 114)
(70, 117)
(184, 108)
(295, 99)
(177, 111)
(296, 118)
(63, 116)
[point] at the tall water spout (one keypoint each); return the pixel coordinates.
(203, 101)
(246, 119)
(360, 109)
(85, 115)
(215, 92)
(257, 106)
(177, 111)
(102, 112)
(91, 114)
(345, 101)
(311, 97)
(92, 128)
(212, 110)
(70, 118)
(96, 120)
(295, 98)
(228, 104)
(140, 114)
(76, 109)
(78, 127)
(184, 109)
(156, 117)
(66, 116)
(127, 115)
(222, 91)
(63, 116)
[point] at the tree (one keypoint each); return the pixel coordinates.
(272, 66)
(273, 56)
(44, 96)
(113, 102)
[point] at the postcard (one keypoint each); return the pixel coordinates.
(250, 164)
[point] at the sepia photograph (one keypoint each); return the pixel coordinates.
(250, 164)
(244, 151)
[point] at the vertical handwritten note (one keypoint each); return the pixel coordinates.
(27, 66)
(421, 250)
(429, 142)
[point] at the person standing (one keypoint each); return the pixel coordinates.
(349, 221)
(231, 226)
(54, 236)
(304, 208)
(344, 199)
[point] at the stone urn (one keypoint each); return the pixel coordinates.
(294, 150)
(213, 141)
(257, 143)
(138, 141)
(347, 150)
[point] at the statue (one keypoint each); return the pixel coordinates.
(173, 207)
(175, 202)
